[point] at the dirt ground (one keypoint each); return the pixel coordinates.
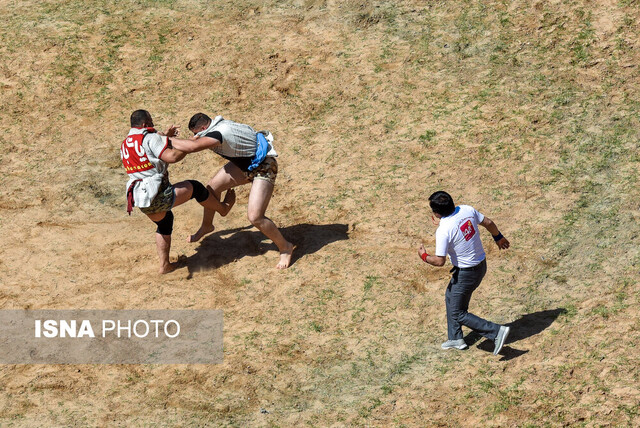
(527, 110)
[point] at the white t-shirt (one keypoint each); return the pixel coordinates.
(459, 237)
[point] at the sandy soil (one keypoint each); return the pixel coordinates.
(526, 110)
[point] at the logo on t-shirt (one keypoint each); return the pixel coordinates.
(468, 230)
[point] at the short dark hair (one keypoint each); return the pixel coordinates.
(442, 203)
(139, 118)
(198, 120)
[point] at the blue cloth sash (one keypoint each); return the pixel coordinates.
(261, 151)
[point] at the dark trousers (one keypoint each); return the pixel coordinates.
(462, 284)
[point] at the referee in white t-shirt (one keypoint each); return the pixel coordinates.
(459, 237)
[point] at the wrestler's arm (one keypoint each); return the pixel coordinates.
(172, 155)
(172, 131)
(196, 144)
(162, 148)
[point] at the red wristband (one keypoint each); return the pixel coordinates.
(424, 257)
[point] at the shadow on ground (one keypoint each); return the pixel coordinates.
(226, 246)
(526, 326)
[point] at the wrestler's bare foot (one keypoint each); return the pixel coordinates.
(167, 268)
(204, 230)
(285, 257)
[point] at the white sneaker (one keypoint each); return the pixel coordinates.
(501, 338)
(457, 344)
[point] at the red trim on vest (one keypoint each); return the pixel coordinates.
(166, 146)
(149, 130)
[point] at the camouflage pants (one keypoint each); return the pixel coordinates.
(163, 200)
(267, 170)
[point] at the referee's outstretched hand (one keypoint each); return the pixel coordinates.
(503, 243)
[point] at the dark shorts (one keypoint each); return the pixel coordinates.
(267, 170)
(163, 200)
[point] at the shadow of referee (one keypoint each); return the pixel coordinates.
(526, 326)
